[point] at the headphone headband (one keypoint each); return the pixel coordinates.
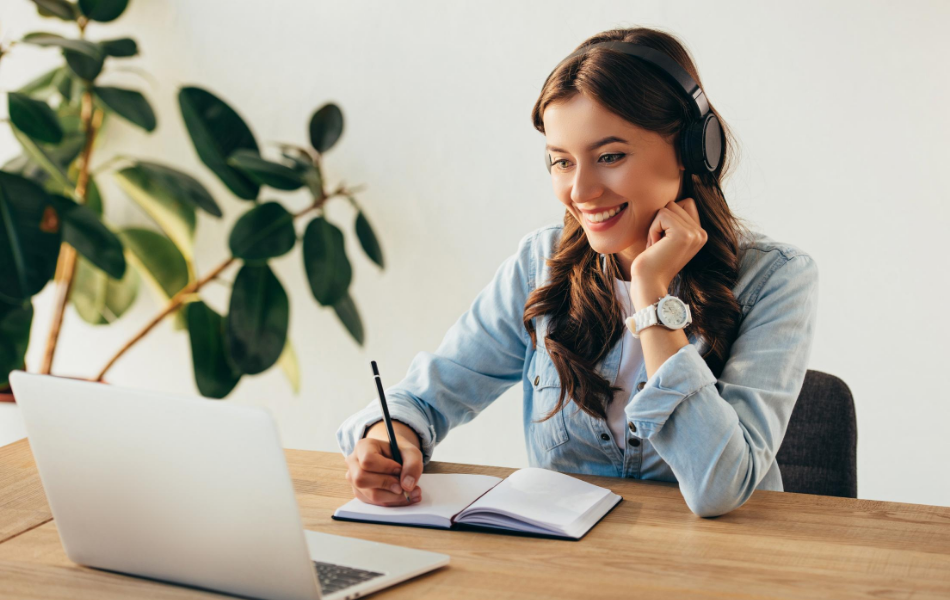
(701, 143)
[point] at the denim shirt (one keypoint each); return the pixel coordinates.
(716, 437)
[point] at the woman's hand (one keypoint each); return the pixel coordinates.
(675, 237)
(378, 479)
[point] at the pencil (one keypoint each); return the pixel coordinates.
(397, 456)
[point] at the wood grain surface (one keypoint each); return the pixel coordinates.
(778, 545)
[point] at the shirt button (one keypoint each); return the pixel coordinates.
(634, 442)
(537, 379)
(641, 384)
(605, 437)
(632, 427)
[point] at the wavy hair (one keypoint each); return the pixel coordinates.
(585, 317)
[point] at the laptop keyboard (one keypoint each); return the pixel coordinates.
(334, 578)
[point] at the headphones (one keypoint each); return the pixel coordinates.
(701, 142)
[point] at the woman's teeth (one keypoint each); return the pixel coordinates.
(598, 217)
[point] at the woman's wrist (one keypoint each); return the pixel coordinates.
(378, 431)
(644, 292)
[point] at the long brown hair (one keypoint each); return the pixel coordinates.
(586, 319)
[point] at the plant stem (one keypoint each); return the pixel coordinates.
(173, 304)
(66, 264)
(192, 288)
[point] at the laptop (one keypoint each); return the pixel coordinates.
(190, 491)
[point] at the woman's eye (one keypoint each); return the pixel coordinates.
(617, 155)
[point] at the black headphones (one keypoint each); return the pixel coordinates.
(701, 143)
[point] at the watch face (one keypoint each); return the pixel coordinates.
(673, 313)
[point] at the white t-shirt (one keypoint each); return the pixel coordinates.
(631, 359)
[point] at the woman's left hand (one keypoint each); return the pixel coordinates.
(675, 237)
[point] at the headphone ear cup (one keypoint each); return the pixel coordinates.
(701, 145)
(691, 148)
(713, 142)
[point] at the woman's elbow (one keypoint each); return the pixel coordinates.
(714, 503)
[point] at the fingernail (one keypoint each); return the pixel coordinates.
(409, 482)
(394, 488)
(416, 494)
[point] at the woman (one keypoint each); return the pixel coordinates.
(700, 393)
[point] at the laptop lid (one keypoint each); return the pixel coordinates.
(174, 488)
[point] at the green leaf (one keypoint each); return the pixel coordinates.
(93, 197)
(214, 375)
(128, 104)
(82, 65)
(99, 299)
(265, 172)
(49, 163)
(291, 369)
(328, 269)
(56, 8)
(120, 48)
(348, 314)
(85, 47)
(159, 258)
(30, 235)
(216, 131)
(15, 321)
(64, 83)
(42, 85)
(103, 10)
(83, 230)
(368, 240)
(150, 189)
(257, 320)
(326, 127)
(178, 184)
(34, 118)
(266, 231)
(85, 58)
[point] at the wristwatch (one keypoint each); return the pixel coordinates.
(669, 311)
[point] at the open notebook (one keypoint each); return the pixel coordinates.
(530, 501)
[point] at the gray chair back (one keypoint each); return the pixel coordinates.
(819, 452)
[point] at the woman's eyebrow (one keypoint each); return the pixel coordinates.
(595, 145)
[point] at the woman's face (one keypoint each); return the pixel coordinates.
(635, 170)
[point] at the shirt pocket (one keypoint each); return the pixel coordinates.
(546, 383)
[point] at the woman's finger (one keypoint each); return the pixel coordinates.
(686, 208)
(384, 498)
(366, 479)
(664, 220)
(370, 458)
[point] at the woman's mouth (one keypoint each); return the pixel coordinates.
(604, 220)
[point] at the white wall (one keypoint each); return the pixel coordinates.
(840, 109)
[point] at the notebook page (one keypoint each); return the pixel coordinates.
(443, 496)
(543, 497)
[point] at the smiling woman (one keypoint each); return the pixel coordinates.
(636, 156)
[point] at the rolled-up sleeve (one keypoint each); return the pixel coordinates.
(481, 356)
(720, 436)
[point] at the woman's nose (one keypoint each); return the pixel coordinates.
(586, 186)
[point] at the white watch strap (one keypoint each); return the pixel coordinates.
(643, 318)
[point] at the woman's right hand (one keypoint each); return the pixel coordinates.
(378, 479)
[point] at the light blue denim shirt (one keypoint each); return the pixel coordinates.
(716, 437)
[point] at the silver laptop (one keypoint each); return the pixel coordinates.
(190, 491)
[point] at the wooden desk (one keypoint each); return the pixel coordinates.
(776, 546)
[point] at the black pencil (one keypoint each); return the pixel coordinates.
(397, 456)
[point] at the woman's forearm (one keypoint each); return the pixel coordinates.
(658, 342)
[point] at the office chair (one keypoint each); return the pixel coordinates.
(819, 452)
